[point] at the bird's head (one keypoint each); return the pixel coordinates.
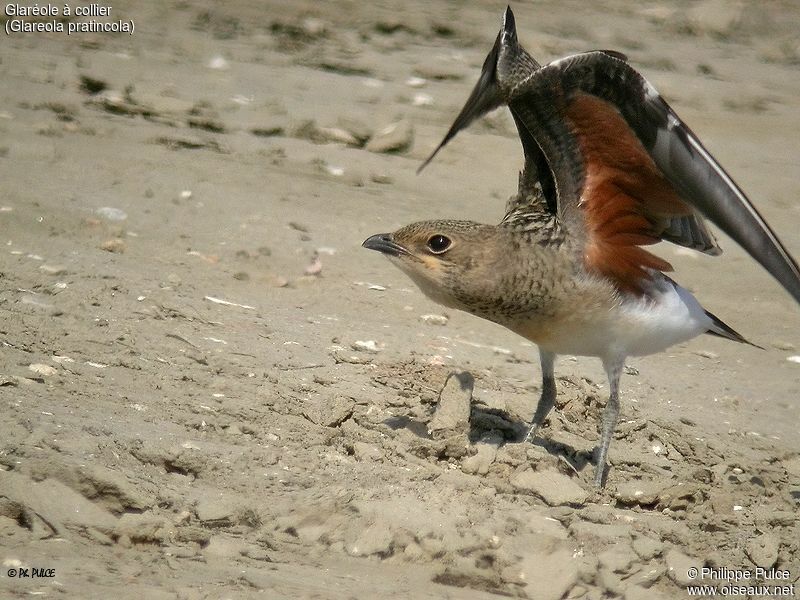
(450, 261)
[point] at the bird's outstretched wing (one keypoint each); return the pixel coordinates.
(506, 65)
(629, 172)
(507, 70)
(625, 171)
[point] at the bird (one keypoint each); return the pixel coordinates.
(609, 169)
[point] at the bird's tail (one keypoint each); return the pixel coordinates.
(720, 329)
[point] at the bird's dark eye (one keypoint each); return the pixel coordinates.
(439, 243)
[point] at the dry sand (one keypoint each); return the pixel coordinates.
(155, 443)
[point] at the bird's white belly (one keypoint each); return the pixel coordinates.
(673, 316)
(632, 326)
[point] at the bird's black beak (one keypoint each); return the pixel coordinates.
(382, 242)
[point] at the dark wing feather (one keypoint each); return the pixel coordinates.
(552, 104)
(536, 190)
(691, 232)
(660, 187)
(505, 66)
(485, 97)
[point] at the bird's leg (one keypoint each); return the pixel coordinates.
(548, 397)
(613, 369)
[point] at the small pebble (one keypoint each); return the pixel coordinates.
(115, 245)
(337, 135)
(434, 319)
(357, 128)
(43, 370)
(396, 137)
(422, 99)
(315, 268)
(365, 346)
(111, 214)
(52, 270)
(298, 226)
(313, 27)
(219, 63)
(381, 178)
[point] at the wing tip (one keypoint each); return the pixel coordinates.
(427, 161)
(721, 329)
(509, 22)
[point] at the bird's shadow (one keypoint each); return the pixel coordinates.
(486, 421)
(415, 426)
(496, 426)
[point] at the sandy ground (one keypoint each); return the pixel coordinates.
(156, 443)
